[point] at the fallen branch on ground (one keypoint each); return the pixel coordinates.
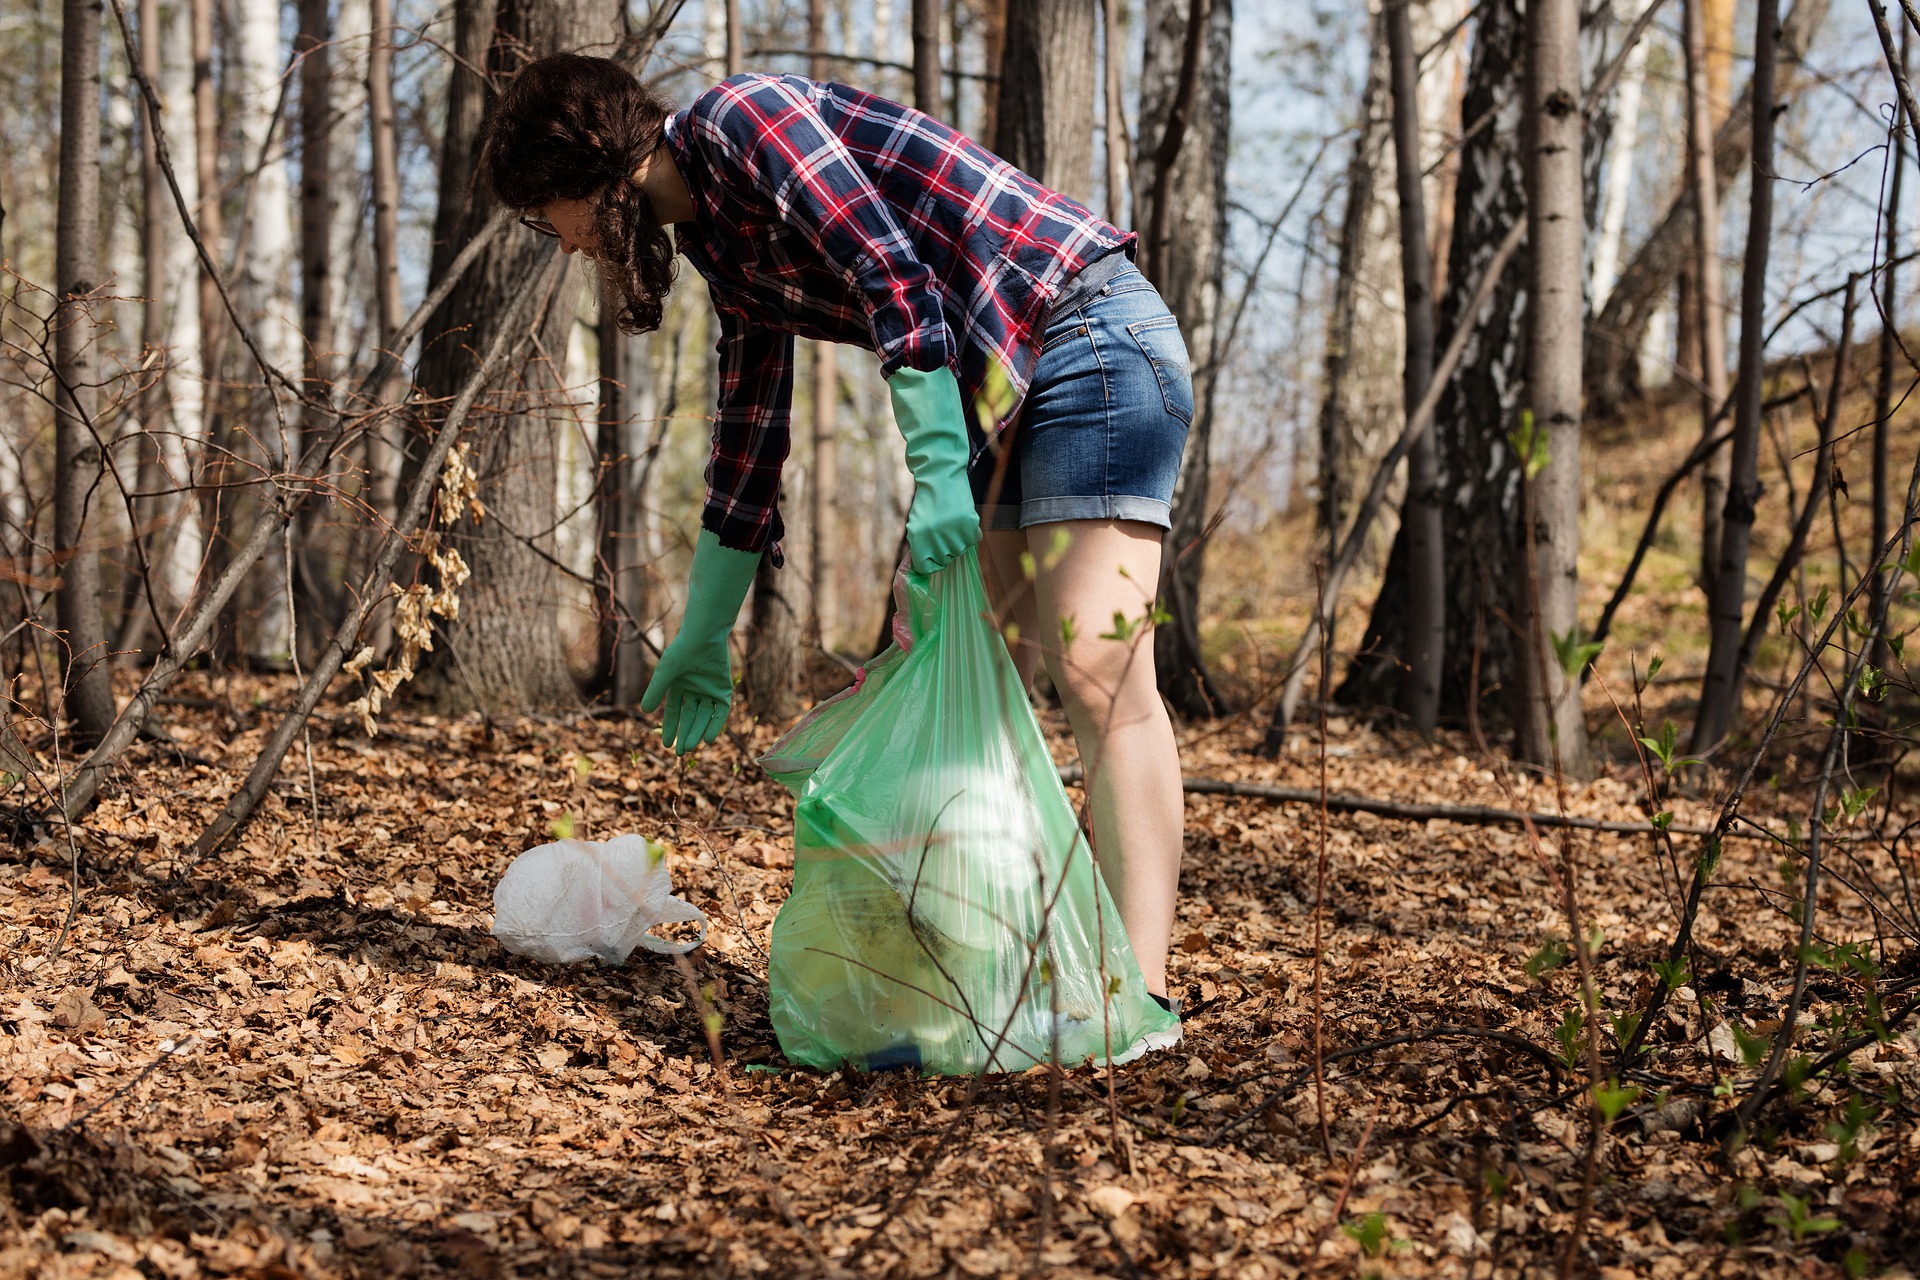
(1419, 811)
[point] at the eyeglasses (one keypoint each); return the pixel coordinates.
(534, 222)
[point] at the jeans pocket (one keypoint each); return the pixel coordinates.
(1159, 340)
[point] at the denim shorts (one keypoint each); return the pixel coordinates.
(1105, 420)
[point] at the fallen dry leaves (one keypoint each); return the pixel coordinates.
(305, 1056)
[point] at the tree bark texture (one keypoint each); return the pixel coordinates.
(314, 49)
(1549, 729)
(1883, 389)
(84, 662)
(1189, 274)
(1113, 48)
(1621, 150)
(926, 57)
(1616, 334)
(1720, 691)
(1180, 28)
(824, 560)
(206, 135)
(156, 216)
(1047, 90)
(1362, 411)
(1351, 380)
(348, 246)
(182, 542)
(383, 148)
(1426, 609)
(313, 46)
(266, 269)
(1479, 481)
(505, 652)
(622, 666)
(1709, 291)
(770, 675)
(216, 431)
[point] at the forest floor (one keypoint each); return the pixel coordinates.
(306, 1055)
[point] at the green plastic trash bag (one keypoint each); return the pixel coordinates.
(947, 913)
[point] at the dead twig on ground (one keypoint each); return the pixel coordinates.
(1423, 811)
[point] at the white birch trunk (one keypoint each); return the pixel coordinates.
(265, 275)
(1621, 147)
(182, 545)
(350, 249)
(123, 280)
(1548, 726)
(713, 44)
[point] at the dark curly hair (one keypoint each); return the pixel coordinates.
(571, 127)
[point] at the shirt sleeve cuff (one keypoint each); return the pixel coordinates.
(922, 350)
(738, 534)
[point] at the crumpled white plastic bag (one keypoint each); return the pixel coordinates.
(584, 899)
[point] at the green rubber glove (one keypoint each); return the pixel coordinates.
(693, 676)
(942, 522)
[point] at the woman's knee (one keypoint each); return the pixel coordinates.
(1096, 675)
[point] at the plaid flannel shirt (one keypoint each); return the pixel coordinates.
(833, 214)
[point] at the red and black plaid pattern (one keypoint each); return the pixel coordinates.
(830, 213)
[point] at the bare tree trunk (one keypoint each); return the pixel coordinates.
(1183, 28)
(355, 308)
(926, 56)
(824, 624)
(1709, 293)
(84, 661)
(770, 678)
(1729, 596)
(384, 149)
(1342, 414)
(1480, 480)
(183, 541)
(215, 505)
(1426, 571)
(385, 437)
(1114, 44)
(736, 42)
(1794, 555)
(317, 208)
(647, 421)
(955, 35)
(993, 48)
(1186, 107)
(206, 132)
(622, 666)
(156, 213)
(1618, 331)
(314, 48)
(1889, 347)
(266, 274)
(1363, 406)
(1621, 147)
(1045, 111)
(506, 651)
(1548, 726)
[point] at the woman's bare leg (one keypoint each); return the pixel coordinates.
(1086, 572)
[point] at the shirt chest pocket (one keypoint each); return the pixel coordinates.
(779, 254)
